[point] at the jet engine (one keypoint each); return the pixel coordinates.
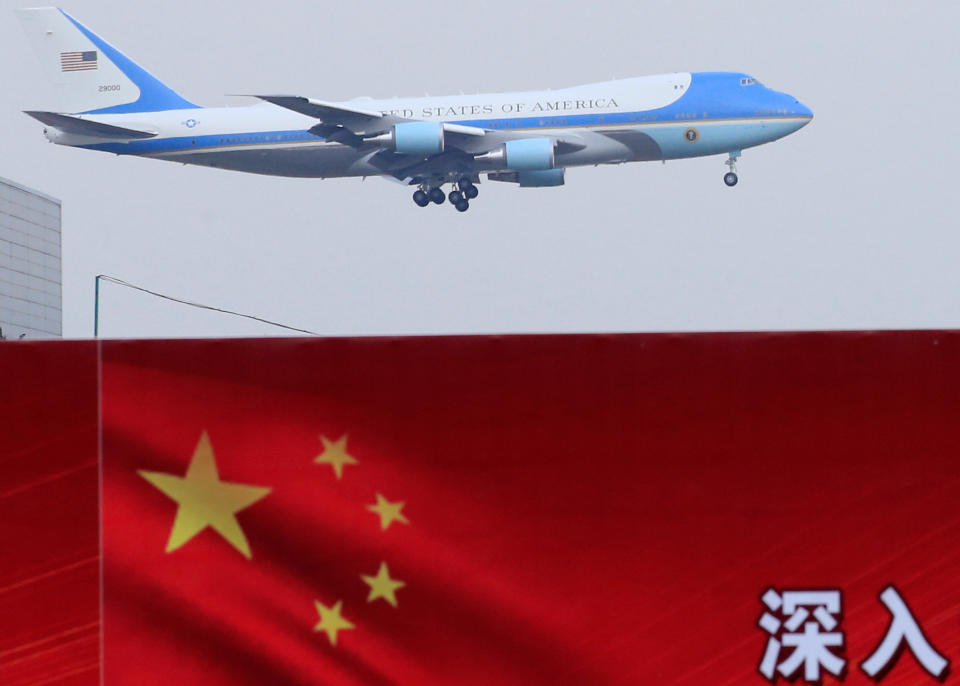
(415, 138)
(524, 154)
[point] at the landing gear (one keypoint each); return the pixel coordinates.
(431, 191)
(460, 197)
(467, 188)
(731, 178)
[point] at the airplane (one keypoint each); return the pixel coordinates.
(110, 103)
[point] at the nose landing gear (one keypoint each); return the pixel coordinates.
(731, 178)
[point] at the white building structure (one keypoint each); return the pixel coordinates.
(30, 283)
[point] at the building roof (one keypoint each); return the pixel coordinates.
(27, 189)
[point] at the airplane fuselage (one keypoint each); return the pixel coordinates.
(111, 104)
(664, 117)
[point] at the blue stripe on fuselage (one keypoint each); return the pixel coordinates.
(181, 143)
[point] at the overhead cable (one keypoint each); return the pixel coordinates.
(121, 282)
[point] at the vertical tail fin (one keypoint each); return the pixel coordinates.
(90, 74)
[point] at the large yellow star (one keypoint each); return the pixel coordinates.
(389, 512)
(205, 501)
(382, 586)
(335, 454)
(331, 621)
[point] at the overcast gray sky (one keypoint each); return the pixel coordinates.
(850, 223)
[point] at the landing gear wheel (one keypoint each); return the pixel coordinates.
(421, 198)
(731, 178)
(464, 181)
(462, 206)
(437, 196)
(454, 197)
(471, 192)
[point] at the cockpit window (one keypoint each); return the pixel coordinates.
(748, 81)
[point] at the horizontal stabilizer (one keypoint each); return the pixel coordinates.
(86, 127)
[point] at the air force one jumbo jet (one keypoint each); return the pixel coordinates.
(110, 103)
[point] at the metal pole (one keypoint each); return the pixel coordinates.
(96, 305)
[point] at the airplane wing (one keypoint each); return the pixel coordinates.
(361, 128)
(86, 127)
(359, 121)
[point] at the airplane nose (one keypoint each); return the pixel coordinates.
(803, 110)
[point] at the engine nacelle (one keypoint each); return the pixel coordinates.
(524, 154)
(418, 138)
(531, 179)
(529, 154)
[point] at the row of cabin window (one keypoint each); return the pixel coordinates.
(519, 125)
(561, 122)
(258, 139)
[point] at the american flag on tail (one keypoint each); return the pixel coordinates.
(78, 60)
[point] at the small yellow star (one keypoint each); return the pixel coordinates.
(335, 454)
(382, 586)
(389, 512)
(204, 500)
(331, 621)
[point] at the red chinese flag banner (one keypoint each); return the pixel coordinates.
(532, 510)
(612, 510)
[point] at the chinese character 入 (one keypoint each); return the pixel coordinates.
(903, 629)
